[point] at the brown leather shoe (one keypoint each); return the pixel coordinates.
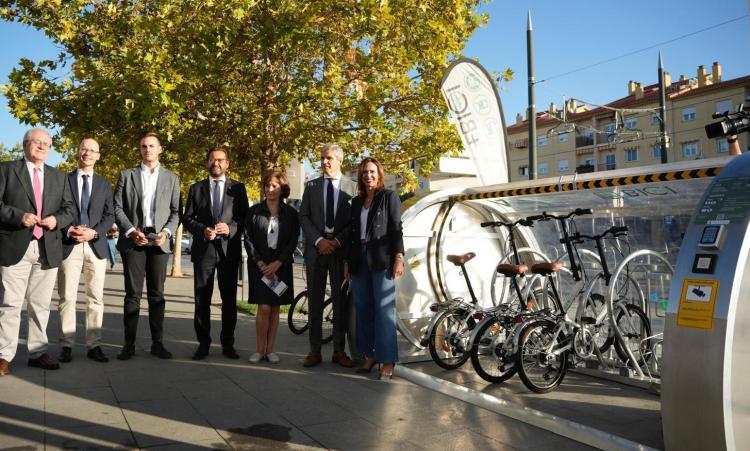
(4, 367)
(45, 362)
(342, 359)
(312, 359)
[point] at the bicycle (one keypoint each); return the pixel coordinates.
(545, 343)
(298, 317)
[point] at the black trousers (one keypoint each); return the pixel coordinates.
(203, 285)
(147, 262)
(319, 271)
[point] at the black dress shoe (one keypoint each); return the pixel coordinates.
(126, 353)
(200, 353)
(160, 351)
(230, 352)
(97, 354)
(45, 362)
(66, 355)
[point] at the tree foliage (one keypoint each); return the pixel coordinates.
(269, 79)
(9, 154)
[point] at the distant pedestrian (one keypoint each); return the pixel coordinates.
(112, 236)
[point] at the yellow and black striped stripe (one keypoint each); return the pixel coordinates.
(591, 184)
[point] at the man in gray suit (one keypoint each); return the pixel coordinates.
(147, 211)
(35, 203)
(324, 217)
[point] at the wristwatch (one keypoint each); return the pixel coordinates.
(96, 235)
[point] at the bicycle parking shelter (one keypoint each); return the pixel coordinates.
(659, 205)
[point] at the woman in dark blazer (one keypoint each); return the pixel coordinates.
(271, 233)
(375, 260)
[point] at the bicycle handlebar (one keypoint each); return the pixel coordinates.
(546, 216)
(615, 231)
(522, 221)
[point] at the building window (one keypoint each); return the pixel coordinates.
(609, 128)
(656, 152)
(562, 137)
(588, 162)
(523, 171)
(722, 106)
(611, 162)
(562, 166)
(542, 140)
(690, 149)
(688, 114)
(722, 146)
(631, 154)
(655, 119)
(631, 123)
(543, 168)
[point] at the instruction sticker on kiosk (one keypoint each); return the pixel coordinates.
(697, 302)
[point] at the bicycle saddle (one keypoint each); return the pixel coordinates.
(546, 269)
(511, 270)
(459, 260)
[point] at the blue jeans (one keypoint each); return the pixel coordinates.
(374, 294)
(111, 243)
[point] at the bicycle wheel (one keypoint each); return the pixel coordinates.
(299, 314)
(541, 362)
(449, 338)
(327, 321)
(635, 328)
(488, 353)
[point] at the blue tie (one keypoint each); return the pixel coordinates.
(85, 201)
(217, 207)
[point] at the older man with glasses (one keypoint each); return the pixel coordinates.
(35, 204)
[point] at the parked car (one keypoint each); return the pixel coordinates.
(187, 242)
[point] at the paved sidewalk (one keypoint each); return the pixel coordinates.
(219, 403)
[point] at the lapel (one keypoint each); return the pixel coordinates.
(23, 176)
(374, 208)
(49, 189)
(227, 206)
(160, 182)
(205, 191)
(342, 185)
(73, 179)
(135, 177)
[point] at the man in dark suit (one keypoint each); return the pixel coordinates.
(34, 204)
(324, 217)
(85, 249)
(147, 211)
(215, 216)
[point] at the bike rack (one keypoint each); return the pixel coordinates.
(610, 304)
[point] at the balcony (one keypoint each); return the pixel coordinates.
(583, 141)
(584, 168)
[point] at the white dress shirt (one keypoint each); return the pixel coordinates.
(148, 180)
(212, 183)
(336, 184)
(273, 232)
(79, 176)
(30, 167)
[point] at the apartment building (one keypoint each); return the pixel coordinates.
(625, 132)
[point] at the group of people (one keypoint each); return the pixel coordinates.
(56, 226)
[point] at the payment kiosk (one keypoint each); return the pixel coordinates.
(706, 368)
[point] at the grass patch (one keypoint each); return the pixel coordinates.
(252, 309)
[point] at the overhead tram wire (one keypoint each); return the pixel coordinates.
(650, 47)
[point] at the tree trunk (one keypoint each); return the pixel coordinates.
(177, 253)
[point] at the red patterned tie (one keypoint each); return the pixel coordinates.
(38, 199)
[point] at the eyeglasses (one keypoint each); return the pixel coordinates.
(85, 149)
(40, 143)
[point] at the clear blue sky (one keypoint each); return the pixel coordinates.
(567, 36)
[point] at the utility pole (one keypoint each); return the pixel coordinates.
(531, 118)
(662, 112)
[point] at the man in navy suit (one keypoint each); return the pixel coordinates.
(215, 215)
(85, 249)
(34, 204)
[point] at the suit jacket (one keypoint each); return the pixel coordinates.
(198, 215)
(312, 215)
(17, 198)
(101, 214)
(384, 237)
(256, 235)
(128, 203)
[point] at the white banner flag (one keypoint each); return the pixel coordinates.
(475, 107)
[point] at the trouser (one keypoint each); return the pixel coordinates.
(81, 259)
(319, 270)
(139, 262)
(111, 244)
(203, 286)
(375, 300)
(31, 280)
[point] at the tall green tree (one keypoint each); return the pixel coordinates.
(269, 79)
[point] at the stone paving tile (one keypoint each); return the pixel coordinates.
(93, 436)
(463, 440)
(21, 435)
(167, 421)
(81, 407)
(357, 434)
(201, 445)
